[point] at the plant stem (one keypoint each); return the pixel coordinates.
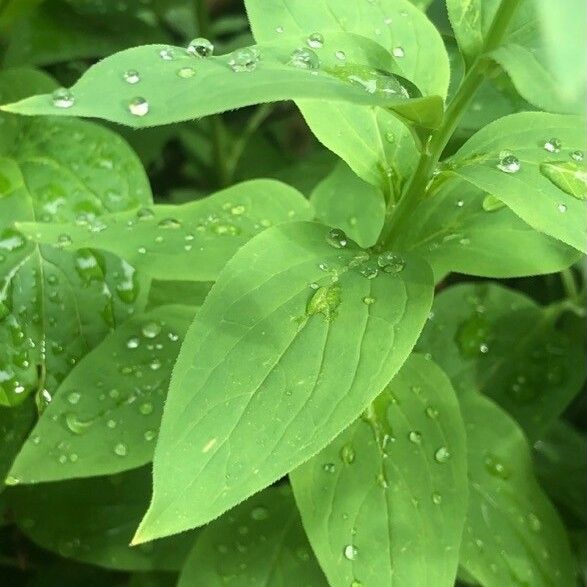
(437, 142)
(569, 284)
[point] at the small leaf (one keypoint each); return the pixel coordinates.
(191, 241)
(376, 503)
(513, 534)
(264, 73)
(267, 376)
(260, 542)
(347, 202)
(92, 520)
(505, 159)
(502, 343)
(105, 417)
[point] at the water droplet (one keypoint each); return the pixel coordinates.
(120, 449)
(350, 552)
(75, 425)
(472, 336)
(151, 330)
(244, 60)
(145, 214)
(315, 41)
(568, 176)
(390, 137)
(391, 262)
(138, 106)
(534, 522)
(200, 47)
(167, 54)
(369, 272)
(368, 300)
(415, 437)
(11, 481)
(509, 164)
(169, 223)
(73, 398)
(132, 76)
(155, 365)
(149, 435)
(577, 156)
(62, 98)
(356, 583)
(562, 208)
(340, 55)
(436, 498)
(347, 454)
(460, 203)
(491, 203)
(186, 72)
(398, 52)
(259, 513)
(494, 466)
(304, 58)
(553, 145)
(337, 238)
(280, 30)
(325, 301)
(64, 240)
(146, 408)
(431, 412)
(329, 467)
(442, 455)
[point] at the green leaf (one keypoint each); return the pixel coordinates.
(273, 368)
(92, 520)
(453, 231)
(561, 473)
(15, 424)
(105, 417)
(192, 241)
(347, 202)
(381, 501)
(209, 86)
(373, 143)
(513, 534)
(522, 52)
(507, 158)
(500, 342)
(260, 542)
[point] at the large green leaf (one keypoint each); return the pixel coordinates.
(523, 53)
(106, 414)
(513, 535)
(500, 342)
(192, 241)
(92, 520)
(347, 202)
(561, 473)
(454, 232)
(182, 87)
(385, 502)
(373, 143)
(261, 542)
(292, 343)
(533, 162)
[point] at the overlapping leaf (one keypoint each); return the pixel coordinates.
(385, 502)
(105, 418)
(500, 342)
(261, 542)
(347, 202)
(373, 143)
(454, 231)
(173, 85)
(15, 424)
(527, 160)
(513, 534)
(92, 520)
(296, 337)
(191, 241)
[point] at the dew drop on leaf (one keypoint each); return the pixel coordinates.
(391, 262)
(75, 424)
(186, 72)
(442, 455)
(151, 330)
(509, 164)
(337, 238)
(315, 41)
(120, 449)
(62, 98)
(436, 498)
(398, 52)
(138, 106)
(350, 552)
(495, 467)
(340, 55)
(329, 467)
(553, 145)
(577, 156)
(259, 513)
(244, 60)
(304, 58)
(200, 47)
(169, 223)
(167, 54)
(368, 301)
(132, 76)
(347, 454)
(415, 437)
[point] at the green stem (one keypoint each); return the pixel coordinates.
(437, 142)
(569, 284)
